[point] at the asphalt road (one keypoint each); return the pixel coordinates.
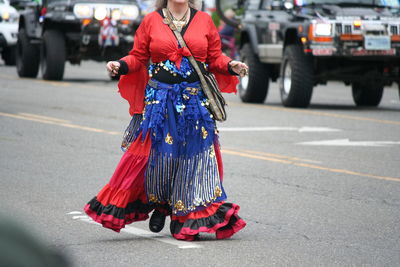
(317, 186)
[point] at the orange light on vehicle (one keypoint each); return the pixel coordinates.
(357, 23)
(311, 36)
(303, 40)
(351, 37)
(86, 22)
(395, 38)
(125, 21)
(323, 39)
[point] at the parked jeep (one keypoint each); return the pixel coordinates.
(55, 31)
(303, 43)
(8, 32)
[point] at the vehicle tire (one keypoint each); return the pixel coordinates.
(367, 94)
(254, 87)
(296, 78)
(9, 55)
(27, 56)
(53, 55)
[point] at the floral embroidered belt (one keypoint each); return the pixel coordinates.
(193, 87)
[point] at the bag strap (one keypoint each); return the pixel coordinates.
(182, 43)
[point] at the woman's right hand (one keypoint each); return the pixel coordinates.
(113, 67)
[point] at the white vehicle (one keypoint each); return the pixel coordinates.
(8, 32)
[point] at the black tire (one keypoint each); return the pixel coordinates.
(53, 55)
(367, 94)
(296, 78)
(9, 55)
(27, 56)
(254, 87)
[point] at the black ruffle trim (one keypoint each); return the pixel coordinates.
(208, 222)
(120, 213)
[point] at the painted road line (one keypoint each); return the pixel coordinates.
(74, 212)
(253, 155)
(59, 123)
(141, 233)
(42, 117)
(280, 156)
(347, 142)
(277, 128)
(311, 166)
(318, 113)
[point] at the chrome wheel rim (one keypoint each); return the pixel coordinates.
(287, 78)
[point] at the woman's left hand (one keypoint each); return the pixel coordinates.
(239, 67)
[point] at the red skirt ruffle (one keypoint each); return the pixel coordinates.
(123, 200)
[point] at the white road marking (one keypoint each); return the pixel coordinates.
(347, 142)
(74, 212)
(142, 233)
(274, 128)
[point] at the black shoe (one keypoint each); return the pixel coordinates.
(157, 221)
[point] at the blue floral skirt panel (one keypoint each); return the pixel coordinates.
(182, 170)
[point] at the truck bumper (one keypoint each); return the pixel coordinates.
(8, 34)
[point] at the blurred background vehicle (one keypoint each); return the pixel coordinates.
(227, 34)
(8, 32)
(303, 43)
(55, 31)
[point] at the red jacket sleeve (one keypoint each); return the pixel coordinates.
(216, 61)
(132, 86)
(139, 55)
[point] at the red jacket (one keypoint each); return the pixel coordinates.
(155, 40)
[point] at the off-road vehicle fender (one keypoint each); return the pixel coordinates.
(27, 21)
(249, 35)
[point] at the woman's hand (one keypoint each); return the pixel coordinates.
(239, 67)
(113, 67)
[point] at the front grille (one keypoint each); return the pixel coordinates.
(394, 30)
(339, 29)
(347, 28)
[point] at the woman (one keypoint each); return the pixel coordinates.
(173, 164)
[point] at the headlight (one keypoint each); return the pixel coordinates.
(5, 16)
(83, 11)
(130, 12)
(323, 29)
(116, 14)
(100, 13)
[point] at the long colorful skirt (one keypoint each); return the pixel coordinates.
(173, 164)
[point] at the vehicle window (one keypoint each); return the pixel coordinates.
(272, 4)
(253, 4)
(266, 4)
